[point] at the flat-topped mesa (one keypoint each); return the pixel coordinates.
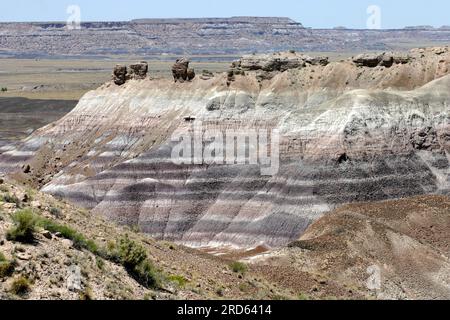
(137, 71)
(181, 71)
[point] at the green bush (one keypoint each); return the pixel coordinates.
(179, 280)
(146, 274)
(134, 258)
(24, 227)
(4, 89)
(79, 241)
(238, 267)
(55, 212)
(130, 253)
(8, 198)
(20, 286)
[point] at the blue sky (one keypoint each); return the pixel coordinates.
(312, 13)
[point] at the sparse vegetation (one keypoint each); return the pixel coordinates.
(79, 240)
(20, 286)
(178, 280)
(100, 263)
(24, 227)
(4, 89)
(302, 296)
(134, 258)
(8, 198)
(238, 267)
(86, 294)
(56, 212)
(6, 267)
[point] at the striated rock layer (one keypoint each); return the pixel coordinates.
(349, 132)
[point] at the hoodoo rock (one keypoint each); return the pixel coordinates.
(181, 71)
(138, 71)
(120, 74)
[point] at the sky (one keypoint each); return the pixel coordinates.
(311, 13)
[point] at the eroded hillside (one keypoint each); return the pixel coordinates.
(370, 128)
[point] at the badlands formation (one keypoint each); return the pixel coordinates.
(374, 127)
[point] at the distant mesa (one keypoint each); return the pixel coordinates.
(243, 19)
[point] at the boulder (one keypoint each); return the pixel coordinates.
(207, 75)
(180, 70)
(367, 60)
(120, 74)
(387, 59)
(138, 71)
(190, 74)
(317, 61)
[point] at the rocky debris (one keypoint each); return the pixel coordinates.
(181, 71)
(269, 65)
(120, 74)
(320, 60)
(138, 71)
(387, 59)
(206, 75)
(425, 139)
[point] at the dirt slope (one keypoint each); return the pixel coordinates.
(407, 242)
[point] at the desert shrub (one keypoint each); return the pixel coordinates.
(86, 294)
(100, 263)
(8, 198)
(134, 258)
(55, 212)
(130, 253)
(179, 280)
(79, 240)
(20, 286)
(6, 267)
(238, 267)
(24, 227)
(146, 274)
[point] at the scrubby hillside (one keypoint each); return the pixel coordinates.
(42, 239)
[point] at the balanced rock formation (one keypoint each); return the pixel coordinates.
(346, 134)
(120, 74)
(139, 71)
(181, 71)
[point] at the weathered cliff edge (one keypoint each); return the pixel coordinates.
(351, 131)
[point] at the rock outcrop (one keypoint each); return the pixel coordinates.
(181, 71)
(120, 74)
(384, 60)
(138, 71)
(269, 65)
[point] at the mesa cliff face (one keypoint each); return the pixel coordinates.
(349, 131)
